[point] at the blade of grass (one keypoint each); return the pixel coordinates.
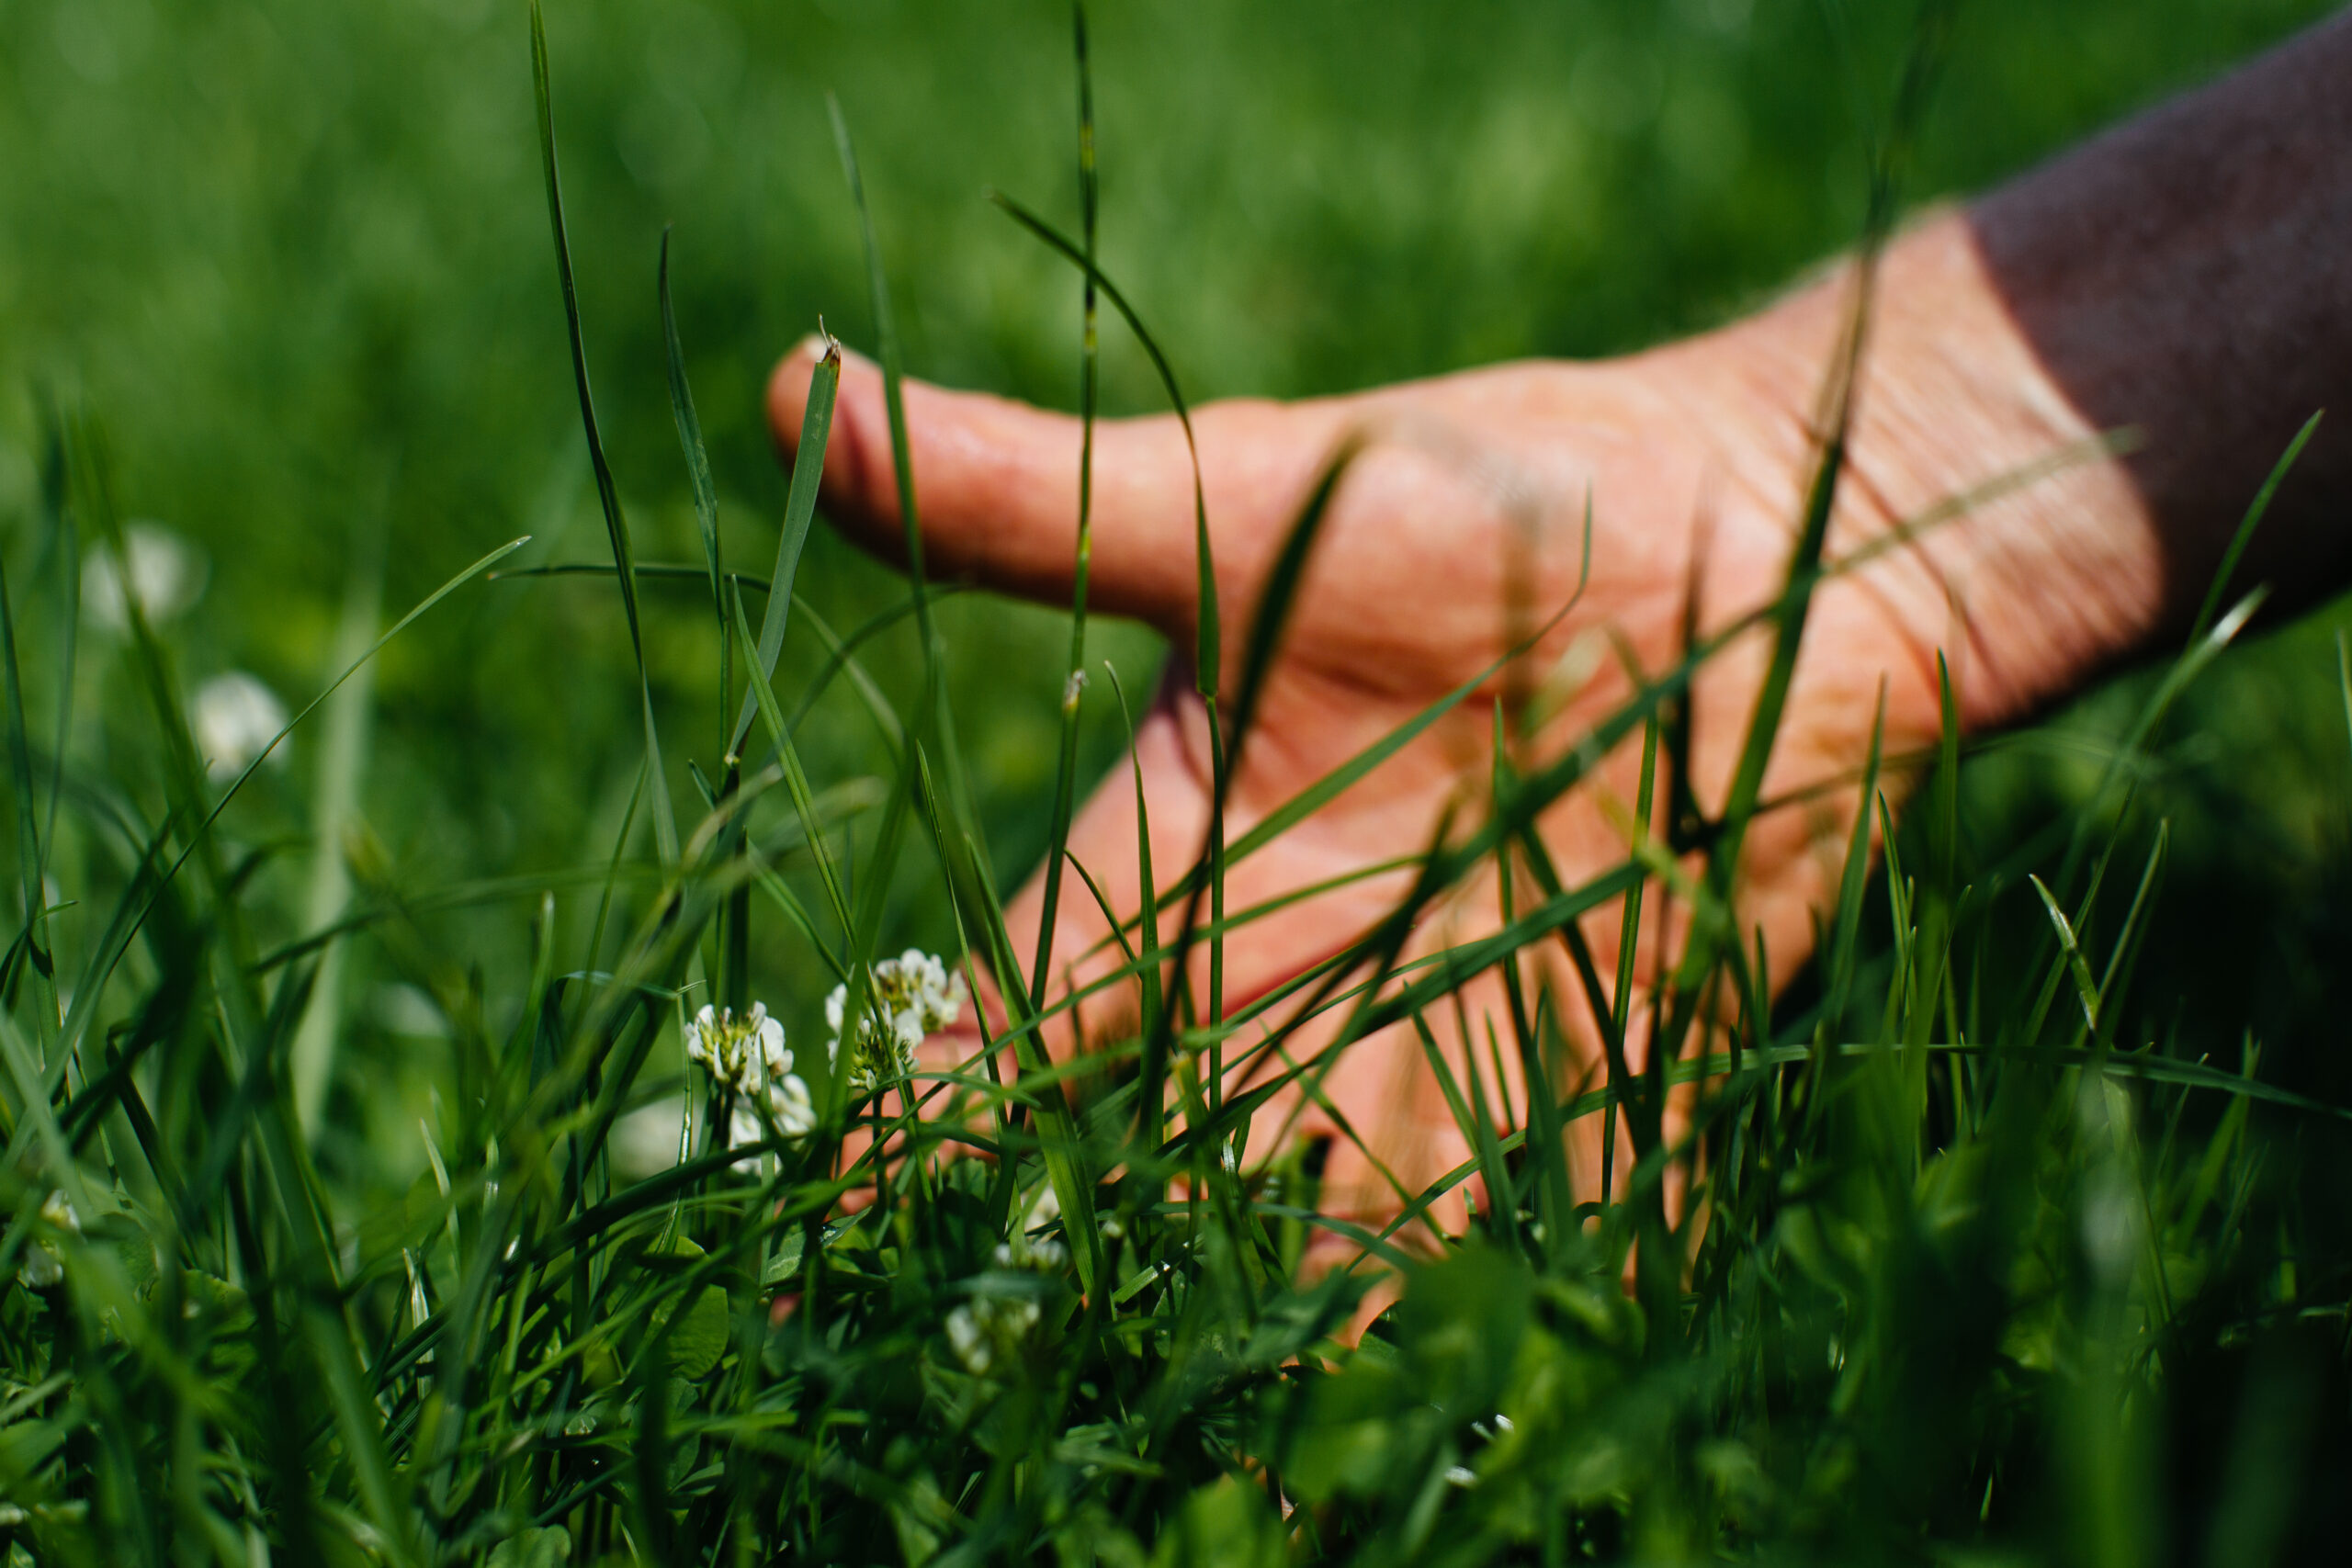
(1074, 683)
(2085, 988)
(799, 508)
(342, 761)
(2343, 679)
(1151, 1095)
(1208, 640)
(706, 491)
(30, 853)
(1059, 1136)
(57, 502)
(665, 822)
(2246, 525)
(81, 1010)
(796, 777)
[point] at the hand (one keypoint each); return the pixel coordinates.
(2181, 276)
(1459, 531)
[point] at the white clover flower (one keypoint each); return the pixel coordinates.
(794, 1112)
(234, 715)
(969, 1342)
(914, 994)
(44, 1266)
(988, 1329)
(166, 572)
(1045, 1209)
(1042, 1255)
(747, 1057)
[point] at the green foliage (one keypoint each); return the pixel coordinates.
(1977, 1253)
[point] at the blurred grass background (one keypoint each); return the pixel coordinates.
(295, 255)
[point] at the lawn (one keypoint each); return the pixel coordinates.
(350, 1217)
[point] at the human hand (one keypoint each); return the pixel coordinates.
(1458, 530)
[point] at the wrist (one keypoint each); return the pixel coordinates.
(2047, 568)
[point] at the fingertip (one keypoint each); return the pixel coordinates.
(789, 388)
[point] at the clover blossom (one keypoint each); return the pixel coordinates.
(43, 1265)
(167, 575)
(914, 994)
(1045, 1254)
(990, 1328)
(747, 1055)
(232, 716)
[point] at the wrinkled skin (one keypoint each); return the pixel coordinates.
(2158, 277)
(1455, 534)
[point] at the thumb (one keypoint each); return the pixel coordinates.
(996, 484)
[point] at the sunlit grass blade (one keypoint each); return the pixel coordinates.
(2125, 952)
(1477, 1126)
(796, 777)
(2256, 511)
(886, 333)
(2183, 671)
(1074, 682)
(2343, 679)
(31, 855)
(1273, 611)
(799, 507)
(1208, 639)
(1554, 1201)
(342, 765)
(1060, 1140)
(666, 824)
(2085, 988)
(1270, 828)
(937, 716)
(57, 507)
(1152, 1090)
(78, 1013)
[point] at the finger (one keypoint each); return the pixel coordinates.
(996, 483)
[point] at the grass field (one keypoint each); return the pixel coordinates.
(2013, 1241)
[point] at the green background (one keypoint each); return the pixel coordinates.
(295, 256)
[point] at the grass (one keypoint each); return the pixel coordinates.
(1984, 1254)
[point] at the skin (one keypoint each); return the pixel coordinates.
(2180, 277)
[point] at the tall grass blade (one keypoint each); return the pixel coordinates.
(1074, 682)
(796, 777)
(2255, 512)
(2085, 988)
(56, 502)
(706, 491)
(1152, 1086)
(1208, 638)
(343, 756)
(31, 855)
(799, 509)
(665, 822)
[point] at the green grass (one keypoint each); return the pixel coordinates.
(2010, 1234)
